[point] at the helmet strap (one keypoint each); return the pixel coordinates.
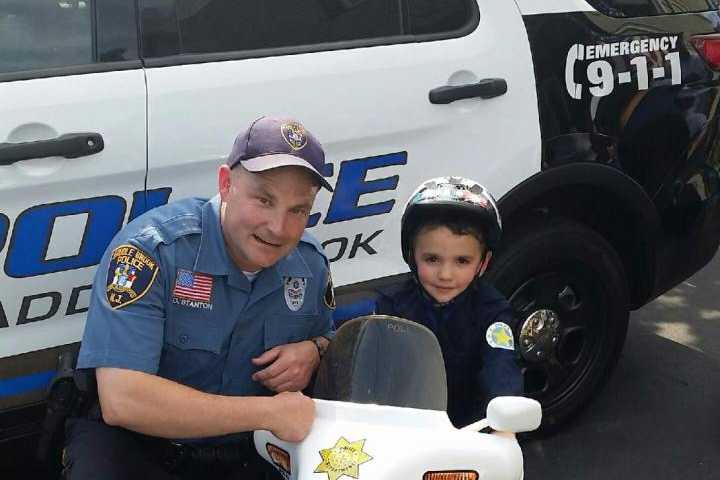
(484, 263)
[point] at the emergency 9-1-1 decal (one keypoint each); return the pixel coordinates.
(344, 458)
(654, 58)
(130, 274)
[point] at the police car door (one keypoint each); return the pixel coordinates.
(72, 152)
(397, 92)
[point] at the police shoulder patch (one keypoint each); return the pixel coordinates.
(130, 275)
(329, 293)
(499, 335)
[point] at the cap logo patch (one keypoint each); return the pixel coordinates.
(295, 292)
(130, 275)
(499, 335)
(294, 135)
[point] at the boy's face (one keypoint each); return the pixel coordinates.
(447, 263)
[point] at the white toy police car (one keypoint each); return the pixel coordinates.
(381, 415)
(594, 123)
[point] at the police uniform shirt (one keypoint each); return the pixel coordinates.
(168, 300)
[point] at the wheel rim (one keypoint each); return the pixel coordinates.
(563, 331)
(539, 335)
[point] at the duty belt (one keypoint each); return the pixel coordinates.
(239, 453)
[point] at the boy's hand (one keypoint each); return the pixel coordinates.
(509, 435)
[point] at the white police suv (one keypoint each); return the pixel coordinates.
(594, 122)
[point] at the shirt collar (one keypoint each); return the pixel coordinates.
(293, 265)
(212, 255)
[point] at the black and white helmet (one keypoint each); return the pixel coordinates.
(448, 197)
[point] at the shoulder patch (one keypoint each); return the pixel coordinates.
(329, 296)
(130, 275)
(499, 335)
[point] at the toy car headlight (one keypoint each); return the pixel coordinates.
(451, 475)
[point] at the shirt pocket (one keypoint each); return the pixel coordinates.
(193, 354)
(194, 334)
(284, 329)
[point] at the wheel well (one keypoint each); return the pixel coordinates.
(602, 211)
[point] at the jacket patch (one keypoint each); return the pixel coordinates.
(130, 275)
(499, 335)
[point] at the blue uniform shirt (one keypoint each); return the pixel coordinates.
(167, 300)
(476, 333)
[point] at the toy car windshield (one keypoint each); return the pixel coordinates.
(383, 360)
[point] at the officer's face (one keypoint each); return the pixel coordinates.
(264, 214)
(446, 262)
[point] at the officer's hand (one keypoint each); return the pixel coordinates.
(290, 367)
(292, 416)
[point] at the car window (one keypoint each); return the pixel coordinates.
(645, 8)
(437, 16)
(42, 34)
(38, 34)
(213, 26)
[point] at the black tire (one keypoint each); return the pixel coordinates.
(565, 267)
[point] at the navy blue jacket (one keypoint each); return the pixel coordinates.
(476, 371)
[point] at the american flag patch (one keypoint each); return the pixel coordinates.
(193, 286)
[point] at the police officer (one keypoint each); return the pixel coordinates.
(208, 317)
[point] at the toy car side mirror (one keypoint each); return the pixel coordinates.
(514, 414)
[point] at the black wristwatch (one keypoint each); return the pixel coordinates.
(319, 345)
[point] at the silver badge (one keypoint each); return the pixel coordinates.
(295, 292)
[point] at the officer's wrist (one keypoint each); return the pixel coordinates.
(321, 343)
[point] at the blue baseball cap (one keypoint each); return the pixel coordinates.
(273, 142)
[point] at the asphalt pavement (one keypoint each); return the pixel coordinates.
(659, 415)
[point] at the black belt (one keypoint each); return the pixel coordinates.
(177, 455)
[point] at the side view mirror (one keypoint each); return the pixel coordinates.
(514, 414)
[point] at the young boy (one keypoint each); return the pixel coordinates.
(449, 229)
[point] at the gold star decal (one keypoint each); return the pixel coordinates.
(344, 458)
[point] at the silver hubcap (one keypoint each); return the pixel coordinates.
(539, 335)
